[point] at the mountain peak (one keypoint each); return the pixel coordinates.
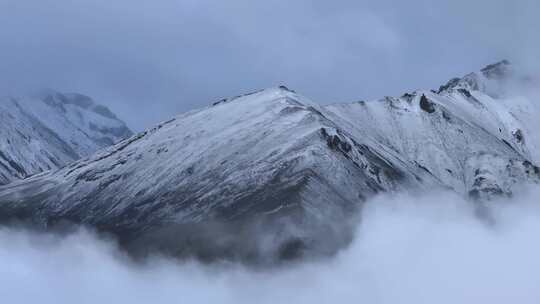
(497, 70)
(482, 80)
(84, 102)
(263, 94)
(285, 88)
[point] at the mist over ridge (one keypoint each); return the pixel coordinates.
(407, 249)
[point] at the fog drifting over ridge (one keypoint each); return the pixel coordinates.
(429, 249)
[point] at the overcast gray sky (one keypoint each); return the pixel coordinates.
(149, 60)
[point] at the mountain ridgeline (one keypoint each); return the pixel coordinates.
(272, 176)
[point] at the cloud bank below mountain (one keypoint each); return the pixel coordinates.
(408, 249)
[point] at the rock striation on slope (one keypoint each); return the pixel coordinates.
(271, 175)
(475, 135)
(244, 164)
(42, 133)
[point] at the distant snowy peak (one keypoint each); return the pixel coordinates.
(48, 131)
(498, 70)
(281, 88)
(503, 99)
(82, 101)
(490, 79)
(96, 120)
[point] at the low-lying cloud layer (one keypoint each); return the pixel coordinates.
(430, 249)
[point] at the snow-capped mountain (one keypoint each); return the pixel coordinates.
(475, 135)
(52, 130)
(205, 182)
(270, 154)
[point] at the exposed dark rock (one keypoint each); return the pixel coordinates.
(220, 101)
(446, 116)
(361, 102)
(465, 92)
(423, 168)
(14, 165)
(408, 97)
(286, 89)
(508, 144)
(449, 85)
(518, 135)
(334, 142)
(426, 104)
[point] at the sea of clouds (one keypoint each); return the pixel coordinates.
(407, 249)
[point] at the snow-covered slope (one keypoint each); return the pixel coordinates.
(50, 131)
(474, 135)
(271, 154)
(209, 181)
(502, 100)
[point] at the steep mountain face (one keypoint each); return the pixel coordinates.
(47, 132)
(473, 135)
(272, 175)
(248, 160)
